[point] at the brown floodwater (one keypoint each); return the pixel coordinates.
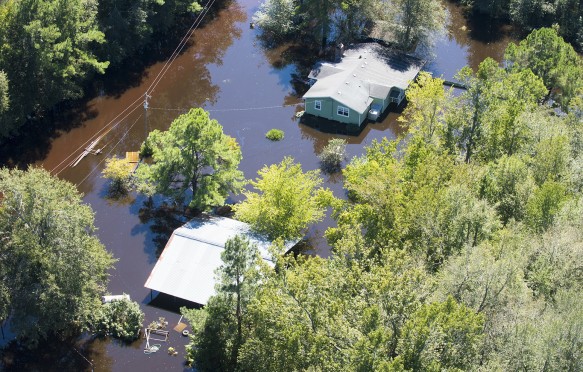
(249, 90)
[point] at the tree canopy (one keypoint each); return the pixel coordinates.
(52, 266)
(456, 247)
(46, 53)
(192, 156)
(286, 202)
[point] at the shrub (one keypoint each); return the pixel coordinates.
(333, 155)
(146, 149)
(274, 135)
(120, 319)
(118, 170)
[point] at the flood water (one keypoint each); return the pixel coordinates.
(249, 90)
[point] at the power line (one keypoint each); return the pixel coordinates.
(229, 109)
(102, 132)
(110, 151)
(179, 48)
(150, 89)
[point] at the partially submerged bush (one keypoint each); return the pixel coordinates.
(333, 155)
(275, 134)
(146, 149)
(120, 319)
(119, 171)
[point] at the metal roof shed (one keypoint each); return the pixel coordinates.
(186, 268)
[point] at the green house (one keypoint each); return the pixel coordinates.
(363, 84)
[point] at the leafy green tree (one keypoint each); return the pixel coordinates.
(193, 155)
(4, 96)
(276, 18)
(332, 155)
(219, 328)
(544, 204)
(552, 59)
(47, 53)
(334, 314)
(489, 116)
(287, 201)
(375, 196)
(439, 336)
(508, 185)
(53, 265)
(424, 114)
(120, 319)
(471, 108)
(317, 19)
(415, 21)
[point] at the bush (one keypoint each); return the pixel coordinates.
(118, 170)
(120, 319)
(146, 149)
(333, 155)
(275, 135)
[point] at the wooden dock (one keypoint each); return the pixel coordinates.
(133, 157)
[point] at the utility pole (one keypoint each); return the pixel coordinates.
(146, 105)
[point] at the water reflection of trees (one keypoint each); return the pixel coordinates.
(189, 83)
(482, 36)
(69, 355)
(162, 220)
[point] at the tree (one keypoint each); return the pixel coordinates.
(4, 96)
(508, 185)
(544, 204)
(415, 21)
(552, 59)
(335, 314)
(47, 53)
(219, 327)
(470, 110)
(52, 264)
(120, 319)
(276, 18)
(287, 201)
(193, 154)
(333, 154)
(441, 336)
(424, 114)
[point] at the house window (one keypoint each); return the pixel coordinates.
(318, 105)
(343, 111)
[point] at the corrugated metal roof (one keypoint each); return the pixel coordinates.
(365, 70)
(186, 268)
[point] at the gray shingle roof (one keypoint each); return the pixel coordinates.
(366, 71)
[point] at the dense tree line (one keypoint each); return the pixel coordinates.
(567, 15)
(458, 247)
(53, 268)
(50, 49)
(406, 22)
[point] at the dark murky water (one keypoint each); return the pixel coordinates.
(226, 71)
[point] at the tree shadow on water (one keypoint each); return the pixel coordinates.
(75, 354)
(160, 221)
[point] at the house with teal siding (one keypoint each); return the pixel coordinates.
(368, 78)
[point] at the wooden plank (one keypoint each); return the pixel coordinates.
(133, 156)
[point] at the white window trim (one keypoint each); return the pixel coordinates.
(318, 105)
(340, 111)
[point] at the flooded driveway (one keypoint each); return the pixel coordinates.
(248, 90)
